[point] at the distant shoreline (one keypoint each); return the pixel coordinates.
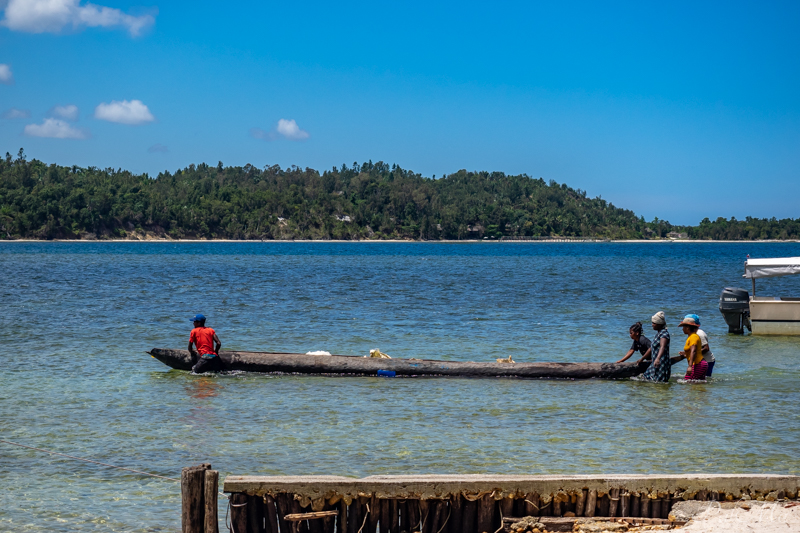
(463, 241)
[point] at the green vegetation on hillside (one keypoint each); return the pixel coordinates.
(359, 202)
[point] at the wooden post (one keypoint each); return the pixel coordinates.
(470, 521)
(556, 505)
(624, 503)
(603, 505)
(239, 512)
(532, 503)
(272, 514)
(456, 516)
(386, 519)
(486, 514)
(374, 515)
(255, 514)
(666, 505)
(282, 503)
(341, 521)
(395, 516)
(613, 503)
(436, 518)
(507, 507)
(210, 491)
(591, 503)
(644, 503)
(192, 496)
(412, 526)
(580, 502)
(655, 508)
(636, 508)
(402, 507)
(354, 518)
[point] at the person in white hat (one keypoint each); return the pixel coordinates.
(693, 350)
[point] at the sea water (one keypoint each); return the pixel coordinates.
(77, 318)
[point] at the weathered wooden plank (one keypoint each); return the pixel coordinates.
(210, 502)
(309, 516)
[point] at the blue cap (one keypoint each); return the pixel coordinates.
(198, 318)
(696, 318)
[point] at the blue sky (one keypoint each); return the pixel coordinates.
(674, 110)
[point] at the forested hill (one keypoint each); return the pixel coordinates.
(359, 202)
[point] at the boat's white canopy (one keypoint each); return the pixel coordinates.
(772, 267)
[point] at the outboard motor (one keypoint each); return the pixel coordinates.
(734, 304)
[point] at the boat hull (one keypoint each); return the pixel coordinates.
(772, 316)
(366, 366)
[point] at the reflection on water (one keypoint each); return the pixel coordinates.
(84, 385)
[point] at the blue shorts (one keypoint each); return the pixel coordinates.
(710, 368)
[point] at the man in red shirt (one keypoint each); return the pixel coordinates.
(206, 357)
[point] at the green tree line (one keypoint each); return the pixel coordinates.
(367, 201)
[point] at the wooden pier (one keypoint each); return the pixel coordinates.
(460, 504)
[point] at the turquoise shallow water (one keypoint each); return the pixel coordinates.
(76, 319)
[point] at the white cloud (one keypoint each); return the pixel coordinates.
(52, 127)
(124, 112)
(258, 133)
(5, 74)
(290, 130)
(53, 16)
(285, 128)
(15, 113)
(66, 112)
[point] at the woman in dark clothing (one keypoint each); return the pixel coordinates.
(640, 344)
(660, 368)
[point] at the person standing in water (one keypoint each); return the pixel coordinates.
(206, 358)
(693, 350)
(708, 357)
(660, 368)
(640, 344)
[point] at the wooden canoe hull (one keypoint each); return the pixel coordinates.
(349, 365)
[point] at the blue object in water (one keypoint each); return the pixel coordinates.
(387, 373)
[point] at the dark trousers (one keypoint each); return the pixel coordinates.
(207, 364)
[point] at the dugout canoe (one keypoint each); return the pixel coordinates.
(349, 365)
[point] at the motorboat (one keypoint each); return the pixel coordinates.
(763, 315)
